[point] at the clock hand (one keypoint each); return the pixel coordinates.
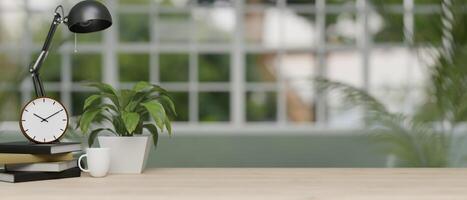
(52, 115)
(40, 117)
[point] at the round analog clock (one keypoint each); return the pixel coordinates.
(44, 120)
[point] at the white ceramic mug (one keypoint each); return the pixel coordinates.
(98, 161)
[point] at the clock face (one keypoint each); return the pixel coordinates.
(44, 120)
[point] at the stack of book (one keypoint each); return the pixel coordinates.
(25, 161)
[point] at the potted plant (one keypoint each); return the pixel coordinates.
(123, 114)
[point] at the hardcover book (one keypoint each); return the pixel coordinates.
(42, 167)
(9, 158)
(32, 148)
(16, 177)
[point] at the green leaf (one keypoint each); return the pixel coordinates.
(119, 125)
(104, 88)
(351, 94)
(94, 133)
(168, 103)
(86, 119)
(168, 126)
(157, 112)
(125, 97)
(159, 89)
(131, 120)
(112, 98)
(78, 123)
(153, 130)
(111, 109)
(110, 106)
(139, 128)
(141, 86)
(90, 100)
(106, 91)
(136, 100)
(102, 116)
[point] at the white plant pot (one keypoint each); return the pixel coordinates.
(128, 155)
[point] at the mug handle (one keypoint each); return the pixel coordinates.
(79, 163)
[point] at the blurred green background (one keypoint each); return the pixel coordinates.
(198, 49)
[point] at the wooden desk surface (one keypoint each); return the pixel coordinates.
(256, 183)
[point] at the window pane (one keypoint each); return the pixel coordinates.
(298, 66)
(12, 72)
(341, 113)
(137, 2)
(427, 2)
(78, 99)
(10, 106)
(214, 68)
(12, 4)
(267, 2)
(53, 67)
(51, 94)
(345, 67)
(341, 28)
(10, 30)
(39, 24)
(261, 106)
(134, 27)
(298, 30)
(421, 63)
(256, 27)
(94, 37)
(175, 3)
(174, 28)
(341, 2)
(86, 67)
(181, 105)
(387, 2)
(272, 28)
(398, 75)
(391, 74)
(392, 29)
(389, 67)
(173, 67)
(10, 65)
(44, 5)
(214, 106)
(395, 98)
(297, 70)
(214, 2)
(427, 28)
(133, 67)
(300, 1)
(214, 25)
(261, 67)
(300, 101)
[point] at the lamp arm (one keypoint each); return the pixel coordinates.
(36, 66)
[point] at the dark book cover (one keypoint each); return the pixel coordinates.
(17, 177)
(32, 148)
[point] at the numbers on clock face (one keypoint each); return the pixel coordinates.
(44, 120)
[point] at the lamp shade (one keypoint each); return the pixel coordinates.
(88, 16)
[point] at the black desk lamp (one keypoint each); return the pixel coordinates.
(85, 17)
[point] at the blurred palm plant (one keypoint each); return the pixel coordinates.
(414, 143)
(427, 138)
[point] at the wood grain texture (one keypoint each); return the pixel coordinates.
(253, 183)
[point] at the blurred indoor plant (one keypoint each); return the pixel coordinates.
(412, 142)
(126, 112)
(428, 138)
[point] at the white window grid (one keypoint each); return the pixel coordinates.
(237, 49)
